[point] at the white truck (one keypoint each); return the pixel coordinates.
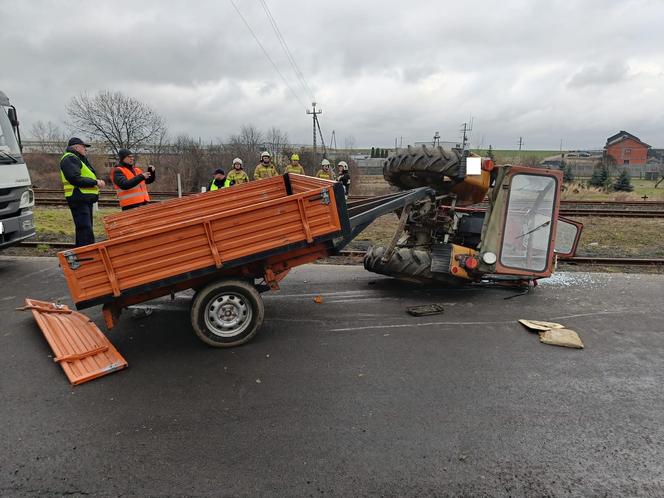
(16, 196)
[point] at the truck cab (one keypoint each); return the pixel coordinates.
(17, 199)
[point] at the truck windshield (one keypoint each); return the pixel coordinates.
(8, 144)
(528, 225)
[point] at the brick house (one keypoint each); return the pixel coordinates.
(627, 149)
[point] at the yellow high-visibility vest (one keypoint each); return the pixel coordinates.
(85, 173)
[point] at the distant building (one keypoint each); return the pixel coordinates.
(627, 149)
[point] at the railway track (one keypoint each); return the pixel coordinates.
(601, 209)
(587, 260)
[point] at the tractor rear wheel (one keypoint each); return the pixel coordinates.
(422, 167)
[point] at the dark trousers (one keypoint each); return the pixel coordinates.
(82, 214)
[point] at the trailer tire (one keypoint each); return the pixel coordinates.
(227, 313)
(422, 167)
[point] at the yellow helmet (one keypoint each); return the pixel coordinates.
(295, 157)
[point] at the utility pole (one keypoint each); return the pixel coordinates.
(333, 141)
(314, 114)
(520, 143)
(465, 128)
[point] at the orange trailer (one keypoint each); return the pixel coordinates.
(228, 245)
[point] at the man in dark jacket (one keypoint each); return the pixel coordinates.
(81, 187)
(130, 181)
(219, 180)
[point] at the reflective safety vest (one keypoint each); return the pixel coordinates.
(135, 195)
(263, 171)
(85, 173)
(325, 175)
(213, 186)
(291, 168)
(237, 176)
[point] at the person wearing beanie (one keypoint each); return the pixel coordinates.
(219, 180)
(130, 181)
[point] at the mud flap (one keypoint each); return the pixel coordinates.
(81, 349)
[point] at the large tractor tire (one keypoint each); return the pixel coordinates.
(409, 264)
(422, 167)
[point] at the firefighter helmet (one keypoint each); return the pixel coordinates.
(325, 162)
(295, 157)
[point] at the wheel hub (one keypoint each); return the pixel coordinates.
(227, 315)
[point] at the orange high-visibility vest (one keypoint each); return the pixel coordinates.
(136, 195)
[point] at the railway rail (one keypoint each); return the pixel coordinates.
(602, 209)
(588, 260)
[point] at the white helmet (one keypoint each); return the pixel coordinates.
(325, 162)
(265, 154)
(344, 165)
(237, 160)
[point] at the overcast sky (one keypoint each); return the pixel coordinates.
(576, 70)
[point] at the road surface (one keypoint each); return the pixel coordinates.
(351, 397)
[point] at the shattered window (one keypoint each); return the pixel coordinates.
(528, 223)
(565, 237)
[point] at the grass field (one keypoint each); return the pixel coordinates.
(616, 237)
(56, 223)
(601, 236)
(578, 191)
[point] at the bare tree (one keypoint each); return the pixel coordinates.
(188, 158)
(349, 143)
(49, 137)
(277, 143)
(115, 118)
(246, 145)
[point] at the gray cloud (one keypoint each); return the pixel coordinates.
(606, 74)
(380, 70)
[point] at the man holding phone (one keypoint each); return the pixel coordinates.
(130, 181)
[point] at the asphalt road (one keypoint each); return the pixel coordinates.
(351, 397)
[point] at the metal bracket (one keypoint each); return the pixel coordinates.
(72, 260)
(324, 197)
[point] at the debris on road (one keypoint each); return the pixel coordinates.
(539, 325)
(554, 334)
(425, 309)
(83, 352)
(318, 300)
(566, 338)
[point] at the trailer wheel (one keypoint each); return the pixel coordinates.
(227, 313)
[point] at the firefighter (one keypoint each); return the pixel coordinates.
(237, 174)
(219, 180)
(344, 176)
(81, 186)
(265, 168)
(130, 181)
(324, 172)
(295, 166)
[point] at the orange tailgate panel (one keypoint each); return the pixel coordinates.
(81, 349)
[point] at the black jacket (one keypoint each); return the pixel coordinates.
(71, 168)
(121, 180)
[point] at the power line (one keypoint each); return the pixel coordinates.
(303, 82)
(266, 54)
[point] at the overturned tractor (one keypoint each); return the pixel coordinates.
(480, 221)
